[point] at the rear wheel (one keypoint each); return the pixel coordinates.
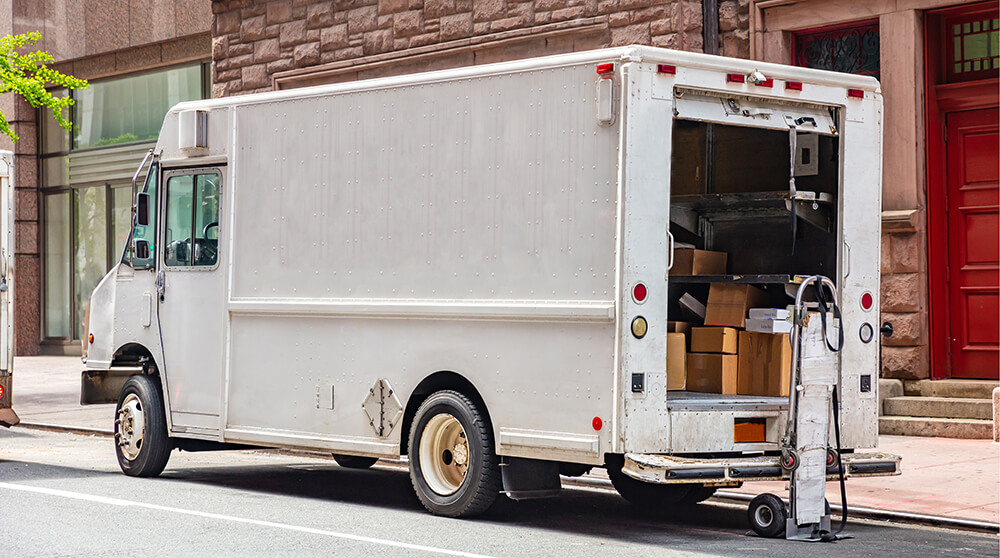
(354, 461)
(453, 467)
(141, 441)
(644, 494)
(699, 493)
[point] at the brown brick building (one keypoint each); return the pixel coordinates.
(265, 45)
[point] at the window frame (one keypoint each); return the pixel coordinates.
(800, 37)
(165, 176)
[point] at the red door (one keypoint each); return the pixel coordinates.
(973, 242)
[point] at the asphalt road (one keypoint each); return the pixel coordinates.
(63, 495)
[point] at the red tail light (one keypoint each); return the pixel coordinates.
(867, 301)
(639, 293)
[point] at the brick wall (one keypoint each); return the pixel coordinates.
(257, 45)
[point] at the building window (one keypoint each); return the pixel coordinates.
(86, 183)
(851, 48)
(973, 47)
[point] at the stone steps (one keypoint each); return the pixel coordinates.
(936, 427)
(974, 389)
(939, 407)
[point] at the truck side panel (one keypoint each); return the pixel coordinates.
(396, 233)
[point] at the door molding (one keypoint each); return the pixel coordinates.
(939, 100)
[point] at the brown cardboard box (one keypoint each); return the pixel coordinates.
(765, 364)
(681, 327)
(711, 373)
(676, 361)
(729, 303)
(689, 261)
(714, 340)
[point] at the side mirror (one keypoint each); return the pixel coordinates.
(142, 249)
(142, 211)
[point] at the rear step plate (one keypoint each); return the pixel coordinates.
(667, 469)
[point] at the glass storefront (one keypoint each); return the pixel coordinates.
(86, 183)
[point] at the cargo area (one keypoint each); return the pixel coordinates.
(741, 238)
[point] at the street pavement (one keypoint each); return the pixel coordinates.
(957, 479)
(62, 494)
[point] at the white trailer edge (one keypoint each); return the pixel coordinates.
(445, 265)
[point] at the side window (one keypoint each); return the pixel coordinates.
(191, 238)
(148, 232)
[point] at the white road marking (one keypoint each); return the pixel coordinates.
(208, 515)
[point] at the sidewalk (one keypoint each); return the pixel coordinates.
(941, 476)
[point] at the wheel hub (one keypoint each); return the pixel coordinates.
(130, 426)
(444, 454)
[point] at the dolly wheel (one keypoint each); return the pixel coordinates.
(832, 460)
(767, 515)
(789, 460)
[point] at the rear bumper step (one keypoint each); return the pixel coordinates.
(666, 469)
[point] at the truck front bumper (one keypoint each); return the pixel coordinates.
(731, 471)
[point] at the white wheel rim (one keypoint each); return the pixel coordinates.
(444, 454)
(764, 516)
(130, 426)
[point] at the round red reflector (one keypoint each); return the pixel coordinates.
(598, 423)
(639, 292)
(867, 300)
(1, 391)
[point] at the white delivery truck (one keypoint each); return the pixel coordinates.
(470, 267)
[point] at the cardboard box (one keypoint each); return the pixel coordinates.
(681, 327)
(764, 364)
(676, 361)
(689, 261)
(769, 326)
(712, 373)
(691, 307)
(714, 340)
(729, 303)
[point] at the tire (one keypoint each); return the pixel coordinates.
(767, 515)
(354, 461)
(644, 494)
(453, 467)
(141, 441)
(699, 493)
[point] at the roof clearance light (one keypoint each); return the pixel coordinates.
(766, 83)
(793, 85)
(735, 78)
(639, 293)
(856, 93)
(867, 301)
(605, 68)
(666, 69)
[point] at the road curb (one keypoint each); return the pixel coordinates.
(605, 485)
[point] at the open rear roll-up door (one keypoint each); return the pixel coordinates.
(735, 109)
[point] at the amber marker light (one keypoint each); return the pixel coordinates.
(639, 327)
(91, 338)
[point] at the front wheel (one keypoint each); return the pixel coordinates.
(141, 441)
(453, 467)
